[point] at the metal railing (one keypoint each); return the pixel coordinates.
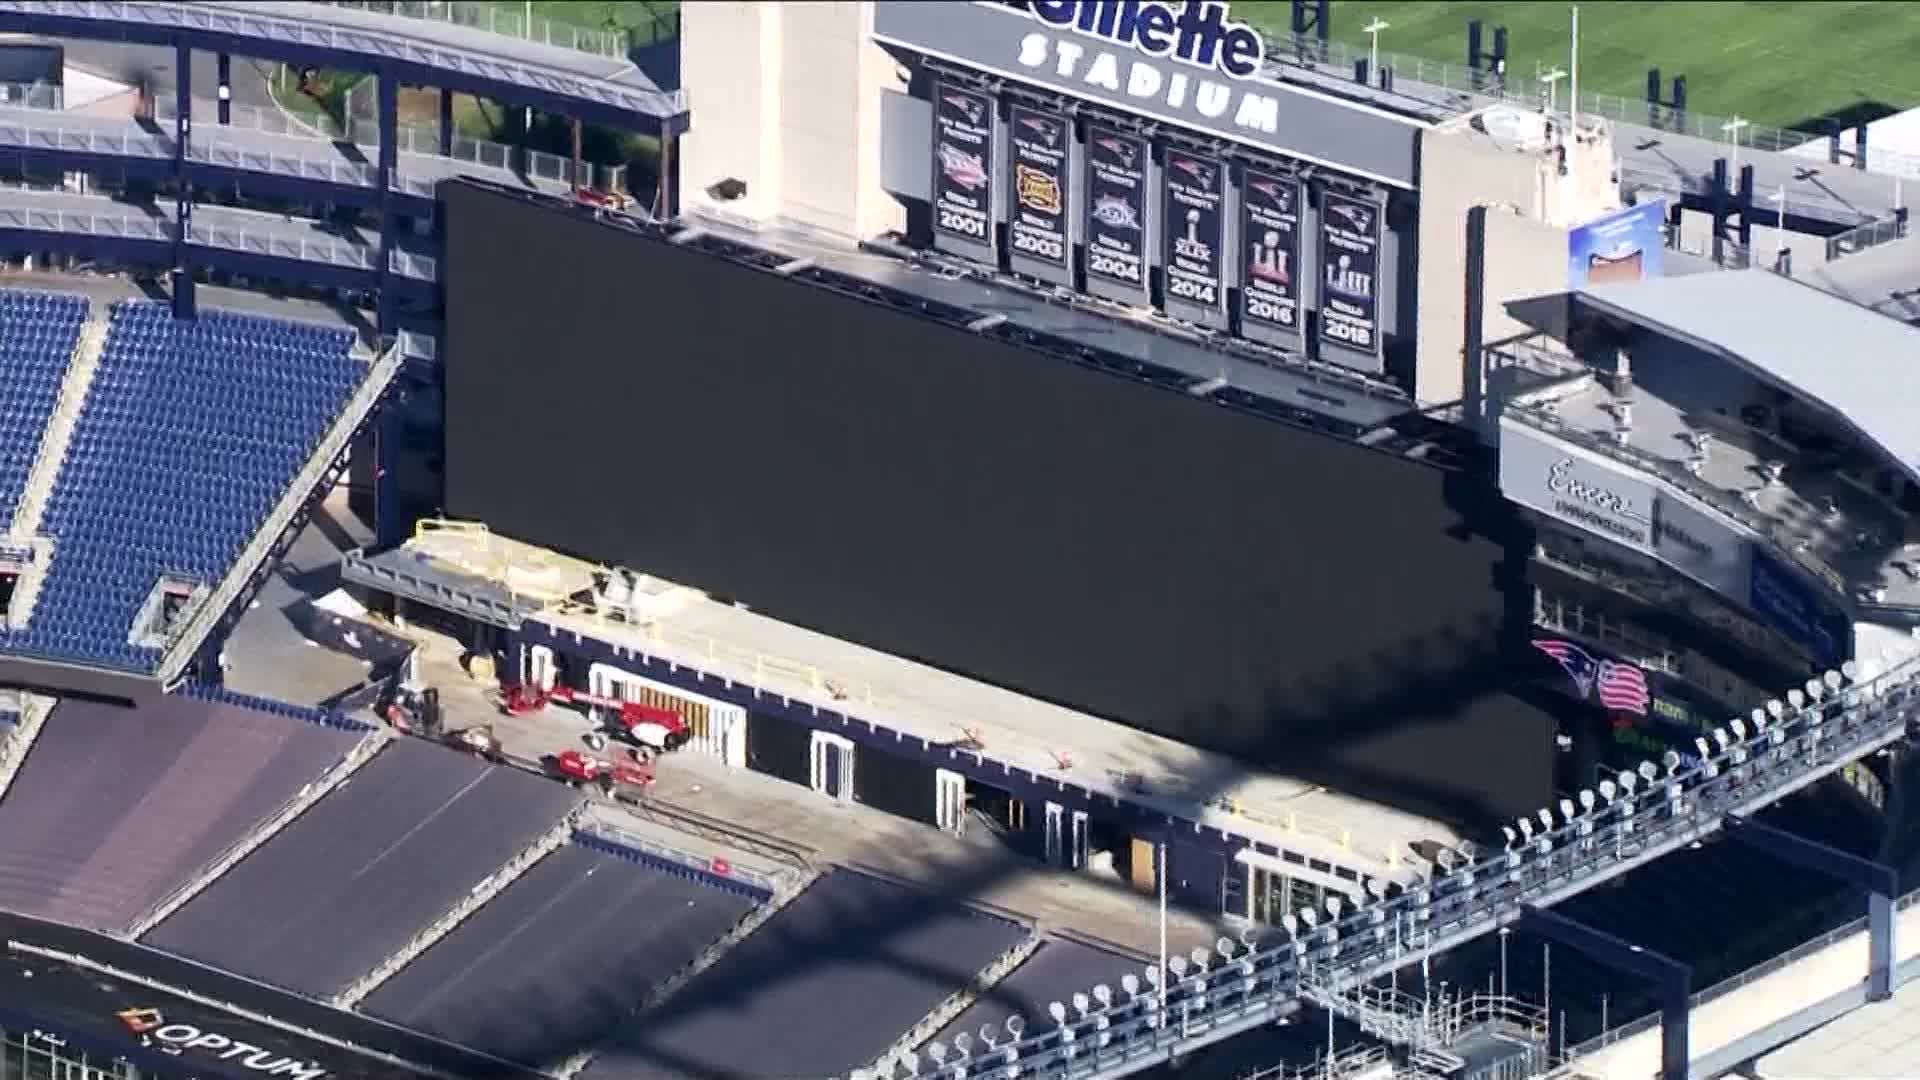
(787, 677)
(1872, 234)
(498, 19)
(374, 45)
(1243, 986)
(261, 118)
(36, 95)
(1446, 84)
(1726, 986)
(1672, 473)
(773, 884)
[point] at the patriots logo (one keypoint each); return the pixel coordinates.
(968, 106)
(1359, 218)
(1619, 686)
(1044, 128)
(1202, 175)
(1121, 149)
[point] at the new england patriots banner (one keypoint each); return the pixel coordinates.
(1614, 684)
(1116, 208)
(963, 166)
(1037, 223)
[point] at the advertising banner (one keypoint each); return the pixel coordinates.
(1195, 229)
(1792, 607)
(963, 165)
(1270, 244)
(1579, 488)
(1037, 225)
(1349, 273)
(1700, 544)
(1622, 246)
(1116, 208)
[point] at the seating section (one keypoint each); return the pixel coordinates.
(38, 332)
(116, 809)
(363, 871)
(823, 987)
(561, 957)
(189, 437)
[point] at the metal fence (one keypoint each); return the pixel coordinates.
(32, 95)
(1872, 234)
(1728, 985)
(1214, 994)
(1455, 86)
(424, 139)
(507, 20)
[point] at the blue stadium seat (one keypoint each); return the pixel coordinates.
(38, 332)
(190, 435)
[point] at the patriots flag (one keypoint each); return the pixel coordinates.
(1618, 686)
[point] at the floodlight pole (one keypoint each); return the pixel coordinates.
(1551, 79)
(1162, 875)
(1732, 128)
(1372, 30)
(1573, 93)
(1780, 226)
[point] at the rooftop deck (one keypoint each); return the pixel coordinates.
(1830, 522)
(1099, 756)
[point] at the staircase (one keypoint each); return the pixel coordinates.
(81, 369)
(324, 459)
(358, 757)
(1394, 1018)
(34, 709)
(549, 842)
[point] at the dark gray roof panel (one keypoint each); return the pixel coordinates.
(559, 958)
(367, 868)
(1056, 972)
(116, 808)
(824, 987)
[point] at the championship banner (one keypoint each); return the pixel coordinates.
(1116, 208)
(1270, 242)
(1037, 227)
(1349, 272)
(1195, 231)
(963, 164)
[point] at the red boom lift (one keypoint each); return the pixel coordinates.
(646, 725)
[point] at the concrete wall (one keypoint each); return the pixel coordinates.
(787, 97)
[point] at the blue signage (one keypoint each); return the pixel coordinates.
(1197, 32)
(1623, 246)
(1795, 610)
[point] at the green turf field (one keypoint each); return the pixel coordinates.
(642, 20)
(1774, 63)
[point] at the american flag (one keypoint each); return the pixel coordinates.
(1619, 686)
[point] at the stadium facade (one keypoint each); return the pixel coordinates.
(1303, 248)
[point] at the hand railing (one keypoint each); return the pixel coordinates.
(1658, 811)
(499, 19)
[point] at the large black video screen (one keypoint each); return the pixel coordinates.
(1325, 610)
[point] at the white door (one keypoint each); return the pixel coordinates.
(1055, 833)
(833, 766)
(539, 668)
(950, 801)
(727, 738)
(1080, 851)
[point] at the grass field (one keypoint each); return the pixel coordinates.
(1775, 63)
(640, 19)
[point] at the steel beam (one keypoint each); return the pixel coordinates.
(224, 65)
(1880, 882)
(389, 163)
(1674, 979)
(181, 278)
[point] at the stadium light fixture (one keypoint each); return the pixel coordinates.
(1796, 699)
(1372, 30)
(1834, 680)
(1816, 688)
(1850, 671)
(1334, 906)
(1732, 128)
(1526, 829)
(1629, 780)
(1224, 946)
(1058, 1012)
(1130, 984)
(1588, 800)
(1567, 811)
(1721, 739)
(963, 1045)
(1776, 709)
(1512, 839)
(1177, 965)
(1705, 748)
(1739, 728)
(1608, 791)
(937, 1050)
(1082, 1004)
(1016, 1025)
(1310, 917)
(1103, 994)
(1671, 759)
(1200, 958)
(990, 1036)
(1759, 719)
(1546, 819)
(911, 1059)
(1649, 772)
(1550, 79)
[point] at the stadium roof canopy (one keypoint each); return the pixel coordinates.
(1862, 367)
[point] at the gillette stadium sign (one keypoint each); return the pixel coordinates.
(1189, 57)
(1189, 63)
